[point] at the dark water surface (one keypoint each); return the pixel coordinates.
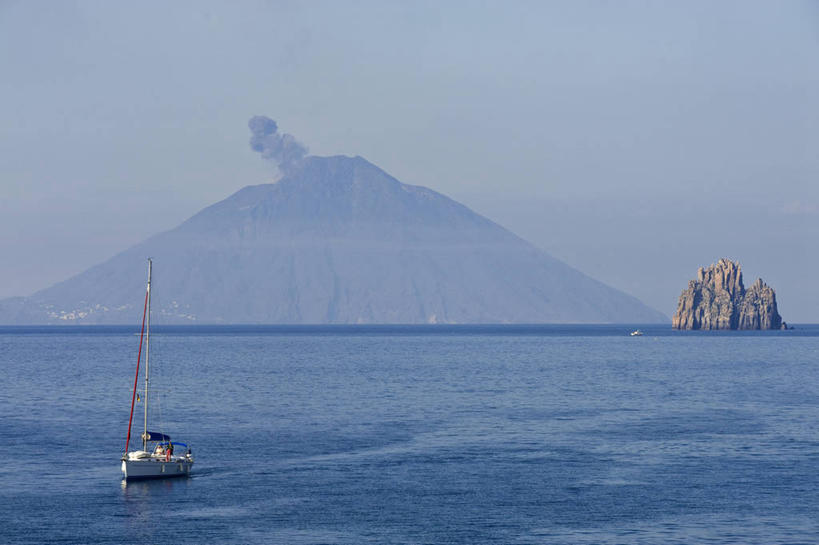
(402, 434)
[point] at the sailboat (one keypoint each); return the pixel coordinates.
(159, 457)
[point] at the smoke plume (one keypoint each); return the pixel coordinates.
(282, 149)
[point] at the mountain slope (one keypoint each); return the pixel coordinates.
(337, 240)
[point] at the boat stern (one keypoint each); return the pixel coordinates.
(156, 468)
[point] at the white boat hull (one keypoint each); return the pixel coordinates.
(156, 468)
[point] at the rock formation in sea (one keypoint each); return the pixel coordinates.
(335, 240)
(717, 299)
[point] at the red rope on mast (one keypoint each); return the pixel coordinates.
(136, 376)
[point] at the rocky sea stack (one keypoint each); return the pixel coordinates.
(717, 299)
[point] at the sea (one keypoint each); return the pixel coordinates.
(539, 434)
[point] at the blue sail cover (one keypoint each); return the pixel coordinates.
(156, 436)
(177, 443)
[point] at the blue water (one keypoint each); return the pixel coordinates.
(393, 434)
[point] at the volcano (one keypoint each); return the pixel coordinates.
(335, 240)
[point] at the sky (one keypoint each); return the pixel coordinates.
(636, 141)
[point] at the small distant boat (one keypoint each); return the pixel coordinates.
(156, 459)
(636, 333)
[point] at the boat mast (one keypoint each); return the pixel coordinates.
(136, 374)
(147, 351)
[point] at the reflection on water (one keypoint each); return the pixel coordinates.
(147, 500)
(153, 488)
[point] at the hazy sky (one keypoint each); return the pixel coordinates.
(634, 140)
